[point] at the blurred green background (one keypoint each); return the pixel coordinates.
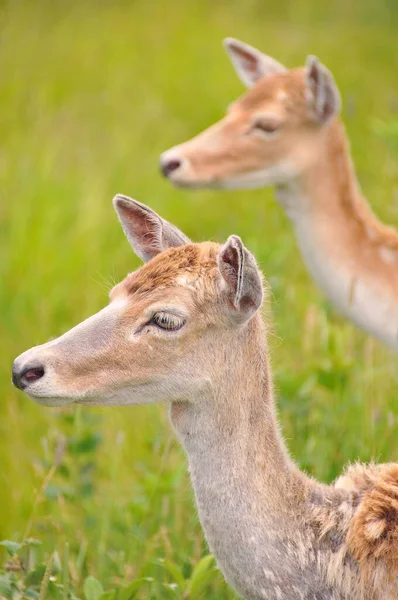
(91, 93)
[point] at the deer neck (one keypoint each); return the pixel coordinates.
(234, 421)
(328, 185)
(351, 255)
(246, 486)
(325, 206)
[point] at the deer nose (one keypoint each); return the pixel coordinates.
(168, 165)
(23, 376)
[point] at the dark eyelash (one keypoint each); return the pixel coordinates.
(167, 322)
(267, 127)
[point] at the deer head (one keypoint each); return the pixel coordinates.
(269, 135)
(159, 336)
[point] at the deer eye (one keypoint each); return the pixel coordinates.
(167, 321)
(268, 126)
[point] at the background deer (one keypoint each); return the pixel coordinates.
(285, 132)
(185, 329)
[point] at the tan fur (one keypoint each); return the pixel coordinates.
(277, 534)
(373, 532)
(189, 261)
(351, 255)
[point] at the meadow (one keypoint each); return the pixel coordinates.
(91, 94)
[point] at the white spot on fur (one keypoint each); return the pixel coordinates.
(281, 95)
(370, 232)
(181, 280)
(185, 282)
(374, 529)
(118, 303)
(269, 575)
(388, 255)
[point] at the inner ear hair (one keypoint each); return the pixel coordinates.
(324, 94)
(251, 64)
(239, 270)
(233, 260)
(147, 232)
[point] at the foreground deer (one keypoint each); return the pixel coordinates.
(285, 131)
(186, 329)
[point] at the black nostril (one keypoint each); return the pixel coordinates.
(29, 374)
(168, 166)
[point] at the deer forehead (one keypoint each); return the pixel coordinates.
(286, 90)
(192, 266)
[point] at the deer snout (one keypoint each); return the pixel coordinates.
(169, 166)
(171, 163)
(180, 166)
(24, 374)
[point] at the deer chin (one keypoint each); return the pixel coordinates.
(141, 393)
(91, 398)
(275, 175)
(66, 400)
(50, 401)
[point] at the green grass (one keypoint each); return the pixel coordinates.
(91, 94)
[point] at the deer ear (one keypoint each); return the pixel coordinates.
(251, 64)
(243, 280)
(323, 95)
(147, 233)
